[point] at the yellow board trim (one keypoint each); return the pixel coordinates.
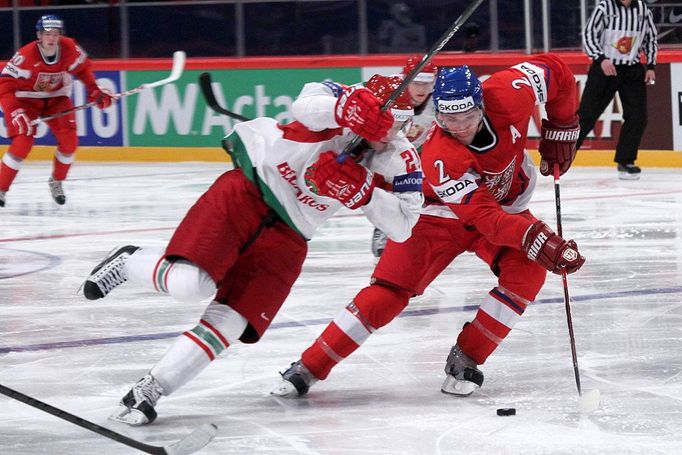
(150, 154)
(646, 158)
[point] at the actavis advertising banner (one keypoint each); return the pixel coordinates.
(176, 114)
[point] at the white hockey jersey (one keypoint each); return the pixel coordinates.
(276, 157)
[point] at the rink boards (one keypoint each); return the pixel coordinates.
(158, 124)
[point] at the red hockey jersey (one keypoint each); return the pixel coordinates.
(29, 74)
(486, 183)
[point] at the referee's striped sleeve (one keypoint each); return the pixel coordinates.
(649, 43)
(593, 31)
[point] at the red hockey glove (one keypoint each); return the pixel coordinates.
(21, 122)
(358, 109)
(549, 250)
(558, 145)
(101, 97)
(348, 182)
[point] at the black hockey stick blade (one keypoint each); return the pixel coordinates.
(190, 444)
(209, 96)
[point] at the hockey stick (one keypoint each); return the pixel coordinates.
(179, 58)
(589, 401)
(442, 41)
(205, 82)
(190, 444)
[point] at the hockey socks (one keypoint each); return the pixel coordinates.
(181, 279)
(494, 320)
(373, 307)
(9, 167)
(61, 164)
(196, 348)
(189, 354)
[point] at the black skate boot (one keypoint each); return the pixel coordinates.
(3, 196)
(629, 171)
(56, 191)
(137, 406)
(463, 376)
(296, 381)
(108, 274)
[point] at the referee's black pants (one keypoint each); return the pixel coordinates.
(600, 90)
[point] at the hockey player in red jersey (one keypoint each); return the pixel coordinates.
(36, 82)
(243, 242)
(480, 180)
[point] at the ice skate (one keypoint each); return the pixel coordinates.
(463, 376)
(137, 406)
(108, 274)
(296, 381)
(629, 171)
(57, 191)
(3, 195)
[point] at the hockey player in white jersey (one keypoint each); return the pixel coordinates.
(420, 90)
(243, 242)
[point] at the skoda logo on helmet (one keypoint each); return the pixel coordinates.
(455, 106)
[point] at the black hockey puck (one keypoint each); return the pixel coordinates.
(506, 412)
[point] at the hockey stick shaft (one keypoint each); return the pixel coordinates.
(188, 445)
(564, 279)
(179, 59)
(81, 422)
(206, 85)
(437, 46)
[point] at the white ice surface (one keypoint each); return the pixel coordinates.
(83, 356)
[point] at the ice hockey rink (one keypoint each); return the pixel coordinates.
(83, 356)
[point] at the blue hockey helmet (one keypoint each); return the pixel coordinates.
(457, 89)
(50, 22)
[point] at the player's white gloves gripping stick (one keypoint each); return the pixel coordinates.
(348, 182)
(558, 145)
(21, 122)
(549, 250)
(358, 109)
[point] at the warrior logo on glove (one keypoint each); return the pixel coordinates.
(551, 251)
(558, 145)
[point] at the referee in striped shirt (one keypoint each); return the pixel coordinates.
(614, 36)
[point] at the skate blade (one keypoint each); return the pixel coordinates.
(626, 176)
(131, 417)
(458, 387)
(285, 389)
